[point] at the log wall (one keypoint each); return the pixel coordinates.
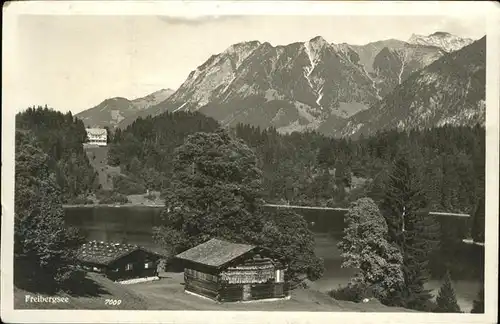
(247, 279)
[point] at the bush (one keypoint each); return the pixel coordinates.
(354, 293)
(127, 186)
(111, 197)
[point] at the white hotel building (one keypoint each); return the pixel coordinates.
(97, 136)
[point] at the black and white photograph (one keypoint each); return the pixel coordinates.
(250, 159)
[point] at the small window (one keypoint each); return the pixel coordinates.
(148, 265)
(129, 267)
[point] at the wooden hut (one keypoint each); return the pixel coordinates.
(118, 261)
(226, 271)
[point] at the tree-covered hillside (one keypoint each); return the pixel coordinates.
(144, 150)
(60, 137)
(311, 169)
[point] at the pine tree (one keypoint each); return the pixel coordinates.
(411, 229)
(478, 304)
(478, 224)
(446, 299)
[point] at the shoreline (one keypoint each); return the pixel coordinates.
(112, 205)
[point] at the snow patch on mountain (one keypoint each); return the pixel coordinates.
(180, 107)
(446, 41)
(312, 49)
(404, 57)
(309, 69)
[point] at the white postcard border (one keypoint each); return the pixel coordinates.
(489, 10)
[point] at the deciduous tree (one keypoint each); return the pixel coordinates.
(365, 247)
(215, 192)
(287, 233)
(44, 249)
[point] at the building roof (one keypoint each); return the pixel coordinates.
(105, 252)
(215, 252)
(97, 131)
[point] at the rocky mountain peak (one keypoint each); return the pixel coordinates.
(316, 85)
(242, 47)
(440, 34)
(449, 91)
(113, 111)
(318, 40)
(312, 49)
(443, 40)
(317, 43)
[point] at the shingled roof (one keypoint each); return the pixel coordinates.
(215, 252)
(104, 252)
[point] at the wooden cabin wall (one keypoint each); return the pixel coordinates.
(202, 280)
(138, 259)
(231, 293)
(246, 278)
(203, 288)
(236, 292)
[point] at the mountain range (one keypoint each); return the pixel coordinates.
(450, 90)
(112, 112)
(337, 89)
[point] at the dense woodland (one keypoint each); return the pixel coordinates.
(44, 249)
(144, 150)
(60, 137)
(311, 169)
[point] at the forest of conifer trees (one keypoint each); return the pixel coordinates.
(311, 169)
(60, 136)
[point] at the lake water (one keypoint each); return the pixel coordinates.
(134, 224)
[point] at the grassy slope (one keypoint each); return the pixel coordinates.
(97, 290)
(98, 158)
(168, 294)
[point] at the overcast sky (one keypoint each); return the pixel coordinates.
(75, 62)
